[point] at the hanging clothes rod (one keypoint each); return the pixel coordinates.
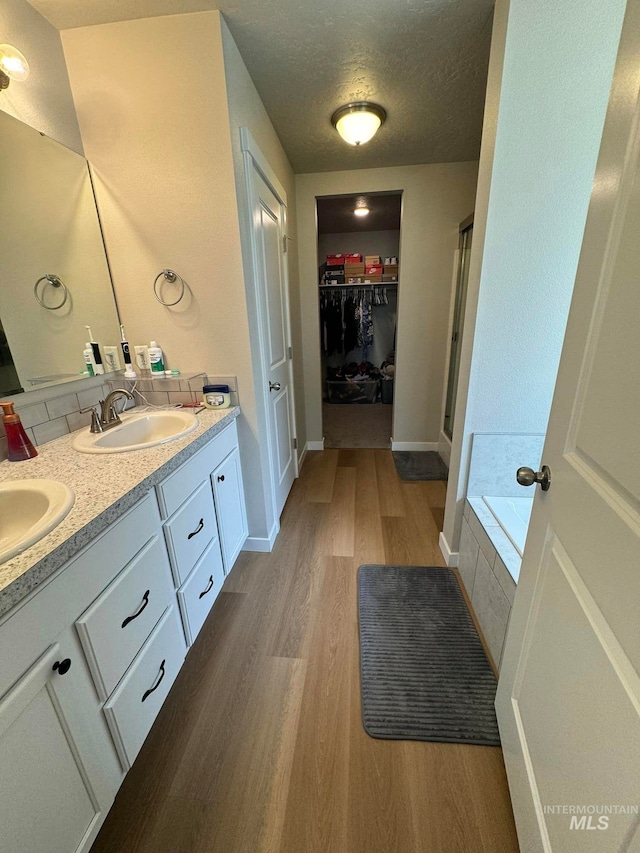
(367, 286)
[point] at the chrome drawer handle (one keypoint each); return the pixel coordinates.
(208, 588)
(197, 530)
(145, 601)
(157, 684)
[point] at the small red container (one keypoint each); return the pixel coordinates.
(373, 269)
(19, 447)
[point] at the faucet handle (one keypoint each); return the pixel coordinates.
(96, 426)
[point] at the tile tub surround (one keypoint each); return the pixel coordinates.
(487, 564)
(495, 458)
(104, 488)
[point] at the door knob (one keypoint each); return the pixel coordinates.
(274, 386)
(527, 477)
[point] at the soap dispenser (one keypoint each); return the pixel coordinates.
(19, 446)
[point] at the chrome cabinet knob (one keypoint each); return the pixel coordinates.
(274, 386)
(527, 477)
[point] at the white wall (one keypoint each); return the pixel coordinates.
(44, 100)
(247, 110)
(549, 79)
(159, 139)
(436, 198)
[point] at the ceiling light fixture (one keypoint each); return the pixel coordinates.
(13, 65)
(361, 211)
(358, 122)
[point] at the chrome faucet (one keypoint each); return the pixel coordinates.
(108, 416)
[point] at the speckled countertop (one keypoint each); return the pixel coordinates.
(105, 486)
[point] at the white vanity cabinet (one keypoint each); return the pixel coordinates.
(88, 657)
(58, 769)
(230, 509)
(205, 525)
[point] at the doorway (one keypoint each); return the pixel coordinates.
(462, 279)
(358, 282)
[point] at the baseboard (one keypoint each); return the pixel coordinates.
(444, 448)
(302, 457)
(451, 557)
(263, 544)
(414, 445)
(315, 445)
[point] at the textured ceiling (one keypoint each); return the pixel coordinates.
(335, 213)
(424, 61)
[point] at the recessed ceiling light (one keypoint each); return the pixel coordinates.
(361, 211)
(359, 122)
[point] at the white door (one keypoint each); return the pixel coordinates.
(269, 250)
(568, 699)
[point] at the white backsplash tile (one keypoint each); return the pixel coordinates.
(32, 415)
(61, 406)
(50, 430)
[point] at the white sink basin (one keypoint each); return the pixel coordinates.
(137, 432)
(29, 509)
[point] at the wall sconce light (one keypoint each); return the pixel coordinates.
(13, 65)
(359, 122)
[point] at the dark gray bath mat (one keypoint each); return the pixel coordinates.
(424, 672)
(420, 465)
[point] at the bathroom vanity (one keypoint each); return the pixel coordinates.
(97, 619)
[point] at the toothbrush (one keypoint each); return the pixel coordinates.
(99, 367)
(129, 372)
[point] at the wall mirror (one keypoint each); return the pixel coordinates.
(49, 226)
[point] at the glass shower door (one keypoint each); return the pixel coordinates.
(466, 236)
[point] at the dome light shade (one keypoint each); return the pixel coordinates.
(359, 122)
(361, 211)
(13, 65)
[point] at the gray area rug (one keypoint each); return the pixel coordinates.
(420, 465)
(424, 672)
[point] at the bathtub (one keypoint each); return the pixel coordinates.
(513, 515)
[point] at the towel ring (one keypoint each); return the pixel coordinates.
(54, 281)
(169, 276)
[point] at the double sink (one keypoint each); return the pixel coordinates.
(29, 509)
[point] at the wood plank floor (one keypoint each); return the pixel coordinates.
(260, 747)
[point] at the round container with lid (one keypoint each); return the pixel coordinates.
(216, 396)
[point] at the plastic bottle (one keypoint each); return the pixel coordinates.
(18, 444)
(156, 360)
(88, 359)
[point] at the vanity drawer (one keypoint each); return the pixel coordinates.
(131, 710)
(197, 594)
(177, 488)
(116, 625)
(190, 530)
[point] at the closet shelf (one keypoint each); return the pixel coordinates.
(362, 286)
